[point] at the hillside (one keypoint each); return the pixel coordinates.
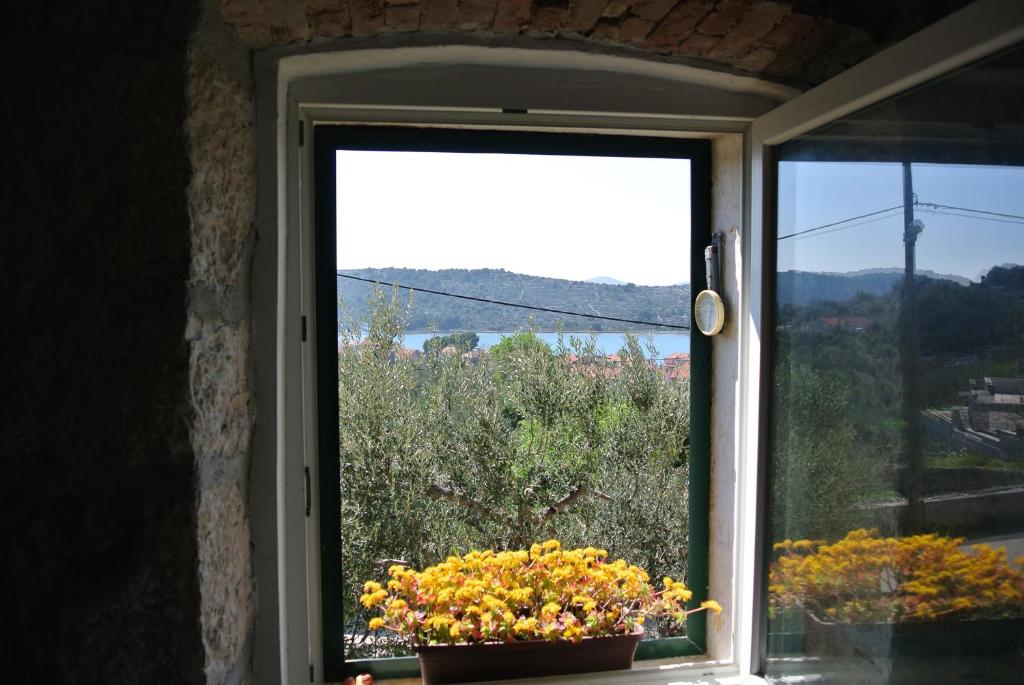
(659, 304)
(804, 287)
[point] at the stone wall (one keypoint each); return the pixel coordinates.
(804, 41)
(221, 204)
(99, 570)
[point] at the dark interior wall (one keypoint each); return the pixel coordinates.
(98, 570)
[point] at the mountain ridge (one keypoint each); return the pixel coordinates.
(665, 305)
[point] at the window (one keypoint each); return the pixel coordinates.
(896, 517)
(424, 515)
(298, 90)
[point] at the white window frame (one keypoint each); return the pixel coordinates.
(293, 93)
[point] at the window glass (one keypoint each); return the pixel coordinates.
(896, 498)
(513, 358)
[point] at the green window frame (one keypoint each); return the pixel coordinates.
(327, 139)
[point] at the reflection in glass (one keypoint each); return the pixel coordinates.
(897, 429)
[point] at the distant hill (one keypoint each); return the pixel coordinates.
(927, 273)
(605, 280)
(658, 304)
(804, 287)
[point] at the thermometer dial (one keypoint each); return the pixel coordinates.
(709, 312)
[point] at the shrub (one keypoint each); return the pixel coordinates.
(544, 593)
(864, 578)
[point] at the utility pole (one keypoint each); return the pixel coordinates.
(908, 361)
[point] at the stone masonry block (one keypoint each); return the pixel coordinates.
(634, 29)
(616, 8)
(266, 22)
(476, 14)
(677, 25)
(789, 30)
(437, 15)
(757, 59)
(367, 17)
(511, 16)
(652, 10)
(606, 29)
(402, 17)
(329, 18)
(549, 18)
(584, 15)
(248, 19)
(726, 15)
(757, 22)
(288, 22)
(697, 44)
(784, 66)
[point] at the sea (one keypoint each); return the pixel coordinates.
(607, 343)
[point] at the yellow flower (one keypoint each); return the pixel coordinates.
(545, 591)
(376, 623)
(550, 610)
(711, 605)
(574, 633)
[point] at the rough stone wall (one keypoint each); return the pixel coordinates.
(99, 567)
(804, 41)
(221, 203)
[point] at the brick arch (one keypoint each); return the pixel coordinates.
(758, 37)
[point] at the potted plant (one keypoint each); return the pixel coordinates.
(544, 611)
(892, 601)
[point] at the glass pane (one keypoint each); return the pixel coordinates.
(897, 405)
(533, 385)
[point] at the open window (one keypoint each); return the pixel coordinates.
(896, 518)
(481, 393)
(306, 91)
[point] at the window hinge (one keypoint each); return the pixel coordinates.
(303, 329)
(309, 497)
(311, 673)
(302, 133)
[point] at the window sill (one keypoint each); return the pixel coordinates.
(649, 673)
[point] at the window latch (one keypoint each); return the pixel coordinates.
(309, 502)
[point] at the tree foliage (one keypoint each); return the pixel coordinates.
(462, 342)
(657, 304)
(440, 456)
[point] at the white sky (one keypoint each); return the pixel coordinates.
(562, 217)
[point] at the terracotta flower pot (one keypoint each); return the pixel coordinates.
(440, 664)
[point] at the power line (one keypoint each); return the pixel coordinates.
(855, 225)
(837, 223)
(973, 211)
(511, 304)
(949, 210)
(946, 212)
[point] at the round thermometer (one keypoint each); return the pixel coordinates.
(709, 312)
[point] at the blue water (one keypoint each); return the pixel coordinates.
(608, 343)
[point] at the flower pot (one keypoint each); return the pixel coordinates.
(914, 652)
(440, 664)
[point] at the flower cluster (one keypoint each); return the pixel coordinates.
(544, 593)
(864, 578)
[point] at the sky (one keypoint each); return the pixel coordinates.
(816, 193)
(582, 217)
(562, 217)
